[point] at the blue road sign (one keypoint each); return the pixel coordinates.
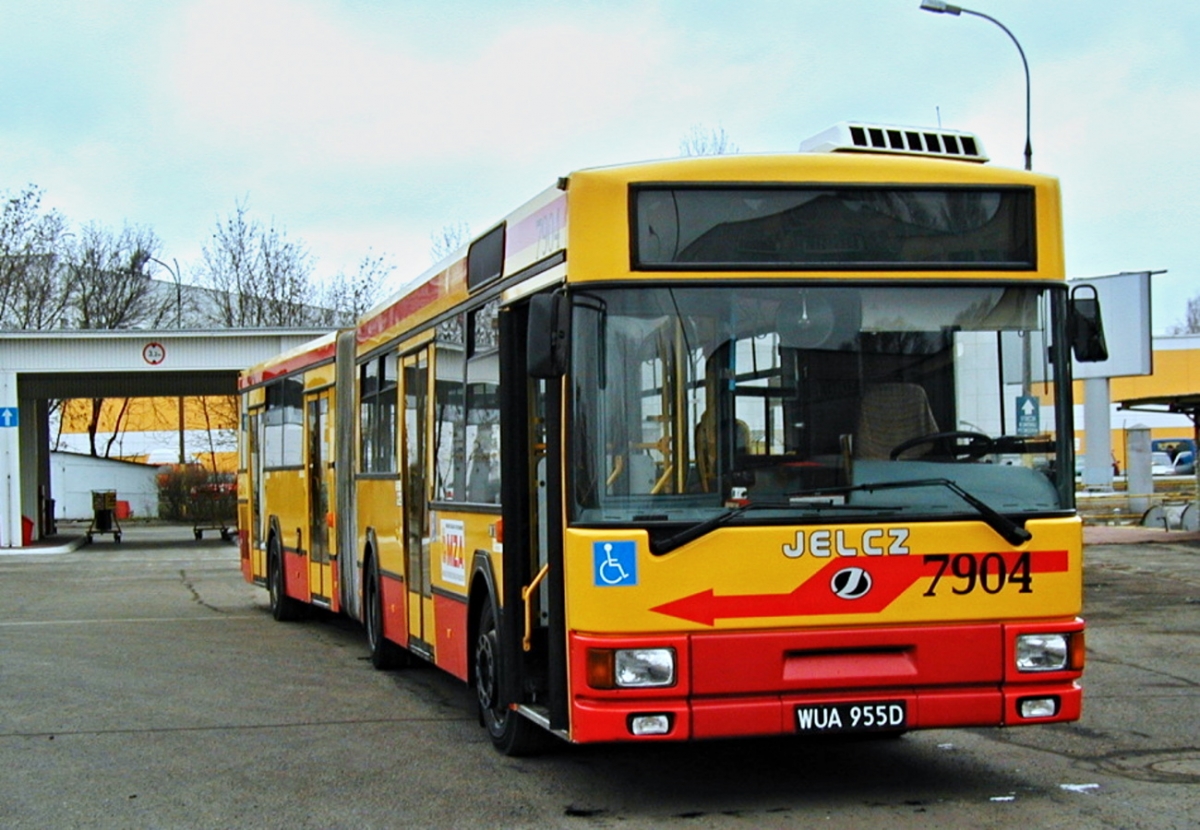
(1028, 415)
(9, 416)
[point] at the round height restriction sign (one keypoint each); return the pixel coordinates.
(154, 353)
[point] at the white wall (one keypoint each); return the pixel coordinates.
(73, 477)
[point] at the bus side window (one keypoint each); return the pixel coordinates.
(482, 438)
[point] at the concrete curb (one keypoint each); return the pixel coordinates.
(55, 545)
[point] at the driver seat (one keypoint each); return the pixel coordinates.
(889, 414)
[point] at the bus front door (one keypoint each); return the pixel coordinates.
(415, 477)
(257, 493)
(320, 487)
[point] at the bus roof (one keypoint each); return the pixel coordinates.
(315, 352)
(589, 208)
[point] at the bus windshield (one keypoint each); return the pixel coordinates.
(795, 398)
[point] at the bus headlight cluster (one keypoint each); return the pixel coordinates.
(631, 668)
(637, 668)
(1043, 652)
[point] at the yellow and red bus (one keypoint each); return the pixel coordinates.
(709, 447)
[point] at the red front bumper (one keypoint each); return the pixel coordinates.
(745, 683)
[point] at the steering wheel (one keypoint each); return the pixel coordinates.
(955, 444)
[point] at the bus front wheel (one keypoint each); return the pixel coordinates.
(510, 733)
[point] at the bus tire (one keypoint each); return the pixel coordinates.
(511, 734)
(283, 607)
(384, 653)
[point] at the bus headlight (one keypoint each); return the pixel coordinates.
(1042, 652)
(631, 668)
(640, 667)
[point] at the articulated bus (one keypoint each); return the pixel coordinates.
(709, 447)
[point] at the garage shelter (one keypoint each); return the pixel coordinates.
(38, 367)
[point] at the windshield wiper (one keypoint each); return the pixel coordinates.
(1005, 527)
(693, 532)
(1008, 530)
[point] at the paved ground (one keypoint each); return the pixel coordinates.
(1134, 535)
(145, 685)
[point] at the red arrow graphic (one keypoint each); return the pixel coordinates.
(891, 577)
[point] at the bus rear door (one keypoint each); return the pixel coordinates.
(320, 487)
(415, 478)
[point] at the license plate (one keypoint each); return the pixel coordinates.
(870, 716)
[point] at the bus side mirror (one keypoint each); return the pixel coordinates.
(1087, 328)
(547, 340)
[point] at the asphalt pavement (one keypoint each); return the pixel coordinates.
(144, 684)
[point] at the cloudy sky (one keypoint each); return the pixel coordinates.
(367, 125)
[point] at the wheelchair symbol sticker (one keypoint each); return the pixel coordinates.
(615, 564)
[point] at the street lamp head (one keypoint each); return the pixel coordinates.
(940, 7)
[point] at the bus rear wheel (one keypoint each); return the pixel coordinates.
(283, 607)
(511, 733)
(384, 653)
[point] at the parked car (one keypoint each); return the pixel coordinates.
(1161, 464)
(1185, 463)
(1173, 446)
(1182, 452)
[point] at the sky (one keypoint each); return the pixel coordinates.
(364, 127)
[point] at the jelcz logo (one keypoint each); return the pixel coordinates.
(851, 583)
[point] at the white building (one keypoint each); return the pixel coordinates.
(73, 478)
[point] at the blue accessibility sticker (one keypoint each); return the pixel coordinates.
(615, 564)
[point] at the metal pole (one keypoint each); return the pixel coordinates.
(939, 7)
(174, 272)
(182, 425)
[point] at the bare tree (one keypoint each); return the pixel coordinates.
(449, 239)
(1191, 319)
(259, 277)
(110, 288)
(219, 409)
(346, 297)
(34, 285)
(230, 269)
(706, 141)
(180, 306)
(287, 274)
(118, 427)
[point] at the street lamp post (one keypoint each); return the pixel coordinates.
(174, 272)
(941, 7)
(175, 276)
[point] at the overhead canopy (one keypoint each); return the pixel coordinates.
(56, 385)
(1188, 404)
